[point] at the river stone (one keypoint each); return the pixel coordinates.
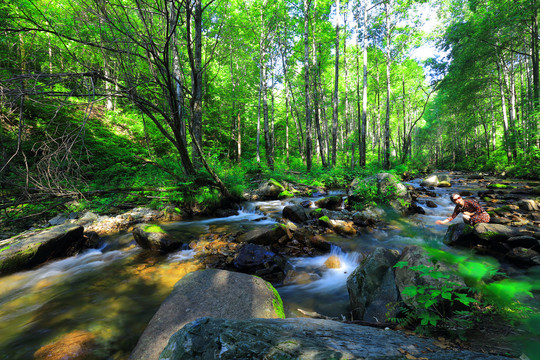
(529, 205)
(524, 257)
(251, 256)
(295, 213)
(431, 180)
(31, 249)
(369, 216)
(330, 202)
(152, 237)
(264, 235)
(372, 286)
(494, 232)
(445, 184)
(212, 293)
(302, 339)
(431, 204)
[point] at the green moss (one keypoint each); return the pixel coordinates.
(276, 301)
(5, 248)
(500, 186)
(276, 183)
(286, 193)
(324, 218)
(153, 228)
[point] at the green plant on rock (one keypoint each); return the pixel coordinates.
(442, 305)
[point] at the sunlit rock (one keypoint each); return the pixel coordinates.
(432, 180)
(333, 262)
(330, 202)
(212, 293)
(295, 213)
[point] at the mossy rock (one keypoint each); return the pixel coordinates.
(285, 194)
(444, 184)
(500, 186)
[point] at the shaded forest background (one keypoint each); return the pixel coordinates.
(114, 103)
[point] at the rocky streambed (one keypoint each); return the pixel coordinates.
(303, 241)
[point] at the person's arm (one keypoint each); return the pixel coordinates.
(447, 220)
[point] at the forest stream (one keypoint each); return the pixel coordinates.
(105, 297)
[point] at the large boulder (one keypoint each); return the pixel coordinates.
(302, 339)
(212, 293)
(153, 237)
(258, 260)
(264, 235)
(31, 249)
(372, 286)
(270, 189)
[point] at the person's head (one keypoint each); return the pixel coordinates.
(456, 199)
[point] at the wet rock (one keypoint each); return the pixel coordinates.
(331, 203)
(250, 257)
(295, 213)
(153, 237)
(264, 235)
(222, 213)
(302, 339)
(414, 208)
(306, 203)
(372, 286)
(34, 248)
(525, 241)
(299, 277)
(58, 220)
(320, 243)
(524, 257)
(494, 232)
(431, 204)
(213, 293)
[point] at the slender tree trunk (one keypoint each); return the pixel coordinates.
(306, 85)
(363, 125)
(348, 124)
(493, 124)
(259, 113)
(197, 85)
(267, 136)
(287, 126)
(386, 164)
(335, 98)
(504, 114)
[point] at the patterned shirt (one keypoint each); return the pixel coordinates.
(471, 206)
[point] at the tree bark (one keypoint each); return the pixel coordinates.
(306, 85)
(335, 98)
(386, 162)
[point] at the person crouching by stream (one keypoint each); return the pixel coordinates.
(473, 213)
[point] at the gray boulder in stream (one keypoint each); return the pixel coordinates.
(301, 339)
(31, 249)
(212, 293)
(372, 286)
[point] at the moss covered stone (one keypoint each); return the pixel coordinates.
(153, 228)
(285, 194)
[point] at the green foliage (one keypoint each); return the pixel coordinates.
(454, 309)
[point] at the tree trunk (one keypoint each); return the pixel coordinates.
(363, 124)
(386, 163)
(335, 98)
(504, 114)
(306, 85)
(197, 86)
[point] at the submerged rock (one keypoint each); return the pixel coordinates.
(213, 293)
(301, 339)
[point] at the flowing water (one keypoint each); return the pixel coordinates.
(102, 299)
